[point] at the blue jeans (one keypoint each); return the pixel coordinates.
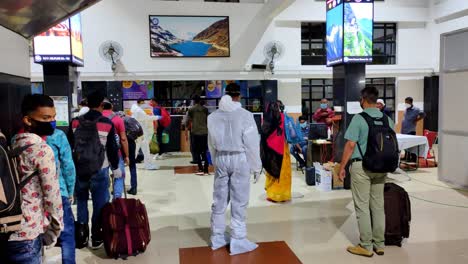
(119, 183)
(22, 252)
(295, 153)
(67, 237)
(98, 185)
(132, 165)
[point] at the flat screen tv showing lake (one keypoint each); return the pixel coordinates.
(189, 36)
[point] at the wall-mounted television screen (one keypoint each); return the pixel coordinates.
(61, 43)
(189, 36)
(349, 31)
(335, 35)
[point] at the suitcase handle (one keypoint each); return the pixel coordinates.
(127, 227)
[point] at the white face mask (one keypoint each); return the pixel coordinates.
(408, 105)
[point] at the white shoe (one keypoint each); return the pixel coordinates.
(241, 246)
(219, 241)
(152, 167)
(158, 157)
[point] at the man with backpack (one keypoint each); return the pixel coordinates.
(372, 149)
(92, 137)
(163, 123)
(198, 116)
(134, 131)
(122, 141)
(31, 209)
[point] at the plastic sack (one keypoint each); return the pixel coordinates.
(153, 145)
(165, 138)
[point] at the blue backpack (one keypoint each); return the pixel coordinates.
(293, 130)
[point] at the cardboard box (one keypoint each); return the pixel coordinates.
(323, 178)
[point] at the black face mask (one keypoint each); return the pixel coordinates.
(42, 128)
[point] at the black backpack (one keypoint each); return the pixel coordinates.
(382, 154)
(133, 128)
(10, 190)
(88, 151)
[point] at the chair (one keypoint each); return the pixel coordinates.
(431, 138)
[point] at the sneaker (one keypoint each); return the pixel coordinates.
(96, 244)
(360, 251)
(132, 191)
(200, 173)
(379, 251)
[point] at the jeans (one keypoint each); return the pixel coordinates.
(200, 147)
(98, 185)
(67, 237)
(295, 153)
(132, 165)
(368, 195)
(22, 252)
(119, 182)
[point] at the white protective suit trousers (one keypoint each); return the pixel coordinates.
(231, 185)
(144, 145)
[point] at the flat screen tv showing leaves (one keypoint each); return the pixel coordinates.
(189, 36)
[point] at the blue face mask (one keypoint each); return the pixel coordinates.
(304, 125)
(324, 106)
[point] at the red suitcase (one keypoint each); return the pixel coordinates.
(126, 230)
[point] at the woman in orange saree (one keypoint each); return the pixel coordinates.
(275, 155)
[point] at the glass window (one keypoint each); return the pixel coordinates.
(386, 87)
(313, 39)
(384, 43)
(314, 35)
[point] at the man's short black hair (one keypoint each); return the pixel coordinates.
(140, 101)
(370, 94)
(107, 106)
(196, 99)
(95, 100)
(233, 89)
(409, 99)
(32, 102)
(154, 99)
(303, 118)
(84, 102)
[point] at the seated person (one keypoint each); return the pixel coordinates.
(301, 148)
(324, 114)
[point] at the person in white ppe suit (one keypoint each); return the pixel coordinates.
(234, 142)
(146, 122)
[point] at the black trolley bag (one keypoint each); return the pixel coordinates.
(397, 214)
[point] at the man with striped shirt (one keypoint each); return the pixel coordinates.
(98, 184)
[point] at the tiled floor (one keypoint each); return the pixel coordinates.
(317, 227)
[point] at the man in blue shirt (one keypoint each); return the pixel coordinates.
(301, 148)
(412, 116)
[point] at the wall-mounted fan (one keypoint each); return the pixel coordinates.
(111, 52)
(273, 52)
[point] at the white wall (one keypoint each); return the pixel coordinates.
(14, 51)
(127, 23)
(253, 25)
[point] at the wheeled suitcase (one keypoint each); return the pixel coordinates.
(310, 176)
(397, 214)
(126, 229)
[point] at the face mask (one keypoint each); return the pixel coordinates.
(324, 106)
(43, 128)
(408, 105)
(304, 125)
